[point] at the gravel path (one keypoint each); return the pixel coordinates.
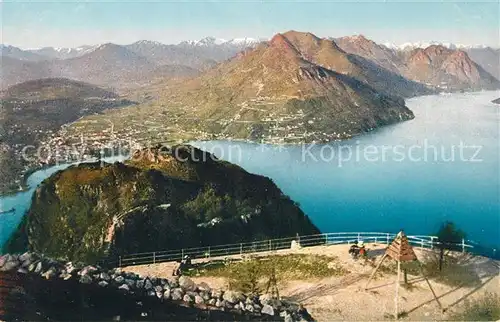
(344, 298)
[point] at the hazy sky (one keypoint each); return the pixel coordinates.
(72, 23)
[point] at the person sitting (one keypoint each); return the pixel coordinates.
(362, 249)
(187, 260)
(354, 250)
(177, 269)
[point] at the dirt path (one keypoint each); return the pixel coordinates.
(345, 298)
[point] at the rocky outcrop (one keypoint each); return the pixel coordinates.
(496, 101)
(180, 290)
(161, 199)
(447, 68)
(435, 65)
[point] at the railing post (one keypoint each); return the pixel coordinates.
(463, 245)
(432, 241)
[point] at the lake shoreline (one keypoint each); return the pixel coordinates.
(284, 141)
(389, 194)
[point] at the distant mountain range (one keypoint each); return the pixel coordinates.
(201, 54)
(108, 64)
(145, 62)
(436, 65)
(220, 49)
(294, 88)
(62, 53)
(423, 44)
(112, 65)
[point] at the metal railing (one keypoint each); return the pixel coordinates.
(271, 245)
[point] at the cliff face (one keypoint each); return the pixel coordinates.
(161, 199)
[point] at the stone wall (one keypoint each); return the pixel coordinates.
(65, 290)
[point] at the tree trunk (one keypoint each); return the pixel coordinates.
(441, 259)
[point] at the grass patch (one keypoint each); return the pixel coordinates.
(251, 276)
(485, 308)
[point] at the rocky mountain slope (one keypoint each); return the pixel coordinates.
(201, 54)
(381, 55)
(328, 54)
(488, 58)
(161, 199)
(17, 53)
(108, 65)
(62, 53)
(435, 65)
(14, 71)
(448, 68)
(118, 65)
(114, 64)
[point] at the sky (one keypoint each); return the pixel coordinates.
(33, 24)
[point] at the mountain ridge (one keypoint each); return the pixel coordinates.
(436, 65)
(108, 64)
(271, 92)
(207, 52)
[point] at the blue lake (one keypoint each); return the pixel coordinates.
(22, 200)
(416, 186)
(443, 165)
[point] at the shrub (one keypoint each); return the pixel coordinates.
(453, 272)
(252, 275)
(485, 308)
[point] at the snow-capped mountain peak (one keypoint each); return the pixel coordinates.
(414, 45)
(212, 41)
(207, 41)
(242, 41)
(149, 42)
